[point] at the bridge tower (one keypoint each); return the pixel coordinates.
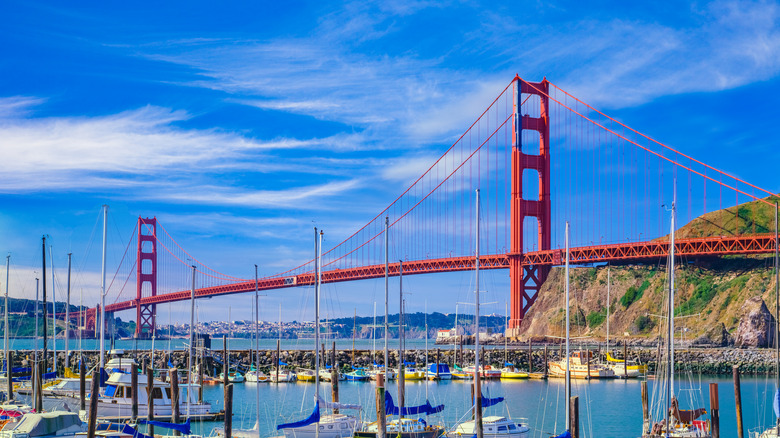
(526, 281)
(146, 275)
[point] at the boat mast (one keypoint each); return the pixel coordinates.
(401, 358)
(318, 272)
(45, 309)
(477, 381)
(192, 340)
(670, 316)
(777, 314)
(67, 316)
(5, 322)
(257, 347)
(102, 293)
(37, 280)
(567, 390)
(426, 351)
(608, 303)
(53, 310)
(387, 294)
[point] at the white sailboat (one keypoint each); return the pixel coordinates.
(774, 431)
(317, 425)
(491, 426)
(669, 420)
(255, 375)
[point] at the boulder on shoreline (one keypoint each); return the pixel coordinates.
(755, 326)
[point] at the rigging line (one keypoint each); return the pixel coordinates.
(383, 212)
(432, 190)
(129, 275)
(193, 258)
(120, 263)
(657, 142)
(225, 277)
(660, 155)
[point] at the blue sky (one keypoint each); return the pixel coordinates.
(241, 125)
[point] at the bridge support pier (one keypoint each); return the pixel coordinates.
(526, 281)
(146, 277)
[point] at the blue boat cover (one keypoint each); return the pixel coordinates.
(127, 429)
(427, 409)
(170, 364)
(51, 375)
(181, 427)
(488, 402)
(313, 418)
(282, 363)
(566, 434)
(508, 364)
(408, 363)
(776, 404)
(103, 377)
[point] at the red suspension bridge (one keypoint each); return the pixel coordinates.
(607, 178)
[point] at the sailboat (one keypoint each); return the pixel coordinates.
(670, 421)
(491, 426)
(774, 432)
(233, 376)
(404, 427)
(580, 364)
(316, 425)
(621, 367)
(254, 374)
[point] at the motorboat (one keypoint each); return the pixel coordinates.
(412, 373)
(305, 375)
(256, 376)
(282, 376)
(512, 372)
(356, 375)
(492, 427)
(459, 373)
(49, 424)
(486, 372)
(116, 398)
(440, 371)
(619, 367)
(403, 428)
(579, 367)
(233, 377)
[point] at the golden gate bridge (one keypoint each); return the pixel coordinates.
(535, 142)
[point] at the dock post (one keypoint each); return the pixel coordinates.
(278, 359)
(201, 371)
(9, 363)
(134, 392)
(530, 357)
(438, 359)
(587, 353)
(574, 413)
(229, 410)
(93, 401)
(472, 400)
(714, 411)
(83, 384)
(39, 387)
(545, 361)
(174, 378)
(381, 421)
(645, 409)
(150, 398)
(334, 378)
(738, 402)
(625, 360)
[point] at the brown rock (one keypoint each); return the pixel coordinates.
(755, 326)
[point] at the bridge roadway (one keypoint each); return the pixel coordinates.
(628, 252)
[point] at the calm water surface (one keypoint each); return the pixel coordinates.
(609, 408)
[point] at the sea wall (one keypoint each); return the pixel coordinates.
(697, 360)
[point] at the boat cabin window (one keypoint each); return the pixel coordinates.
(502, 428)
(512, 427)
(110, 390)
(157, 392)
